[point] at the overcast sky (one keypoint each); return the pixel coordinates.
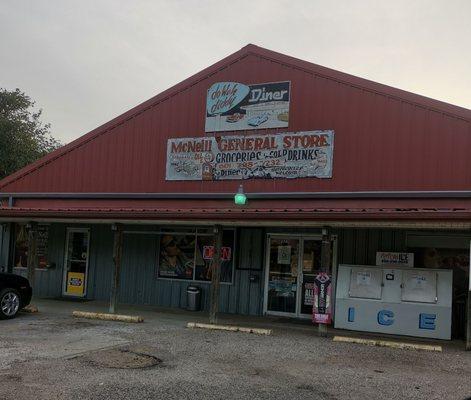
(85, 62)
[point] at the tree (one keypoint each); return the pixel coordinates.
(23, 137)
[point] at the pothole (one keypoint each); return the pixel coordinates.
(121, 358)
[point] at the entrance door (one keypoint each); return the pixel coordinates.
(283, 271)
(76, 262)
(292, 264)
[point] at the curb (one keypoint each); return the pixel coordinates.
(258, 331)
(387, 343)
(108, 317)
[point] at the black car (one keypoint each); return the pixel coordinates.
(15, 294)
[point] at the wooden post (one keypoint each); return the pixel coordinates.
(468, 307)
(215, 276)
(117, 252)
(326, 257)
(32, 260)
(468, 318)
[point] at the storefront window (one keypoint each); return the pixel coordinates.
(188, 256)
(21, 246)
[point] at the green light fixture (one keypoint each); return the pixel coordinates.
(240, 199)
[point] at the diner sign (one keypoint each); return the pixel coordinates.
(233, 106)
(285, 155)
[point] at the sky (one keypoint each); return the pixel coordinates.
(85, 62)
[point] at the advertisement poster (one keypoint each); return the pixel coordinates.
(282, 287)
(308, 294)
(234, 106)
(322, 310)
(75, 283)
(389, 258)
(284, 155)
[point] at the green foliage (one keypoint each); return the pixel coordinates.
(23, 137)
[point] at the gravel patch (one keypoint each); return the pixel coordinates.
(48, 357)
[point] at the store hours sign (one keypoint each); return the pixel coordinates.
(285, 155)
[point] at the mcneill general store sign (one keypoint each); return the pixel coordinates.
(285, 155)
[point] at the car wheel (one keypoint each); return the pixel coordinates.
(9, 303)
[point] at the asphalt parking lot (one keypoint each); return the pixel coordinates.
(51, 355)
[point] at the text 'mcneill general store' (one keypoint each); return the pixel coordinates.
(286, 155)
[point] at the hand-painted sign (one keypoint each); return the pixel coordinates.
(233, 106)
(322, 309)
(286, 155)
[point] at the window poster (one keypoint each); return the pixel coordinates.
(284, 254)
(177, 256)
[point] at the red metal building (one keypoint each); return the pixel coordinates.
(400, 161)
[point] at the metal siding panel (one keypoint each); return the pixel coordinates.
(374, 245)
(138, 268)
(381, 142)
(256, 288)
(348, 246)
(101, 244)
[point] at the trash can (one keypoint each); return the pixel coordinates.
(193, 299)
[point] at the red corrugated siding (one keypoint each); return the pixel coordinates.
(381, 141)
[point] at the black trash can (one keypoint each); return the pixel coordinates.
(193, 298)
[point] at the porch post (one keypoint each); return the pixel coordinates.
(325, 267)
(468, 306)
(32, 251)
(117, 252)
(468, 317)
(215, 275)
(468, 310)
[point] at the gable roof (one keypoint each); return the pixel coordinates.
(340, 77)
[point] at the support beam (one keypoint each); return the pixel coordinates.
(117, 252)
(468, 307)
(468, 318)
(326, 257)
(215, 275)
(32, 260)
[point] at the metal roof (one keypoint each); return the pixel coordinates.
(301, 209)
(386, 139)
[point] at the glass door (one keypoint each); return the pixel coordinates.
(282, 276)
(292, 265)
(76, 262)
(310, 264)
